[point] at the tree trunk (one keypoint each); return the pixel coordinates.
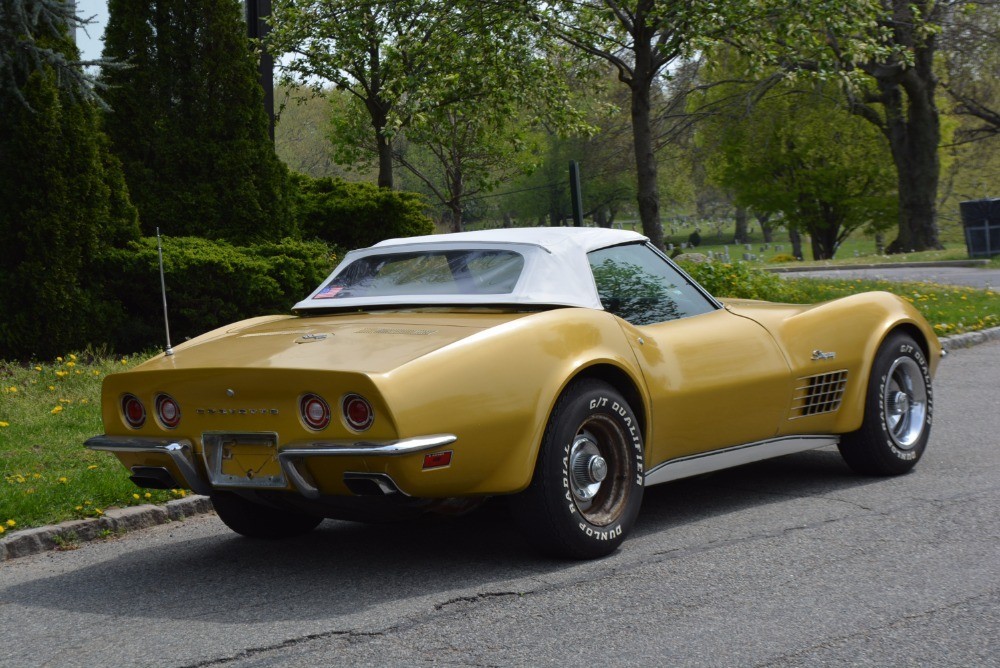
(911, 122)
(740, 236)
(796, 240)
(508, 220)
(645, 159)
(913, 137)
(601, 217)
(383, 144)
(765, 226)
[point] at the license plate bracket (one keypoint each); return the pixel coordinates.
(247, 460)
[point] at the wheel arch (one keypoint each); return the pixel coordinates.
(909, 328)
(623, 383)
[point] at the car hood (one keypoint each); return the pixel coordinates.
(357, 342)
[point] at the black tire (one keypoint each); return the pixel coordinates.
(588, 481)
(256, 520)
(898, 410)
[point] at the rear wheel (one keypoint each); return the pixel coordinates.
(256, 520)
(587, 486)
(898, 410)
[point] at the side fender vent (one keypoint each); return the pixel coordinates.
(818, 394)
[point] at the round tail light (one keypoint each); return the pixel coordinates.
(315, 411)
(133, 411)
(358, 412)
(168, 411)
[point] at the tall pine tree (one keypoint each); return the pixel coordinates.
(64, 202)
(188, 121)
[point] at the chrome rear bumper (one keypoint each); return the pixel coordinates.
(290, 457)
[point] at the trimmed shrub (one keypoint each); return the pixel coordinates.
(188, 121)
(356, 215)
(209, 284)
(741, 281)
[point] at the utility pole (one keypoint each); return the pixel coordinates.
(576, 195)
(257, 12)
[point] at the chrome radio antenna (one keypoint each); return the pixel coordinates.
(163, 289)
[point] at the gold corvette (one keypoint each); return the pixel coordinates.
(567, 368)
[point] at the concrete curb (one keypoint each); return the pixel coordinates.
(970, 339)
(883, 265)
(120, 520)
(115, 521)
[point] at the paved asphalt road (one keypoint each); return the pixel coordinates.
(792, 562)
(970, 276)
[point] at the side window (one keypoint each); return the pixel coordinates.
(639, 286)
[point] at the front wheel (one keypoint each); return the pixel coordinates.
(898, 410)
(588, 481)
(256, 520)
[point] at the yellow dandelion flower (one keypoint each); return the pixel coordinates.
(92, 467)
(62, 480)
(124, 360)
(11, 523)
(72, 357)
(56, 410)
(98, 511)
(2, 529)
(148, 495)
(38, 368)
(65, 401)
(52, 388)
(84, 401)
(4, 424)
(36, 476)
(59, 359)
(135, 496)
(96, 373)
(12, 389)
(71, 364)
(62, 374)
(79, 508)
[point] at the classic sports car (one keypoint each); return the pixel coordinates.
(568, 368)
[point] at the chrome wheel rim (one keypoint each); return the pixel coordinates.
(597, 470)
(904, 403)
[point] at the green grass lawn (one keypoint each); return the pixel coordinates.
(47, 409)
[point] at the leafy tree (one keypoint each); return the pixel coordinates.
(302, 132)
(188, 121)
(64, 204)
(375, 50)
(972, 55)
(796, 152)
(423, 71)
(640, 39)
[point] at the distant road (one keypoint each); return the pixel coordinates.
(973, 277)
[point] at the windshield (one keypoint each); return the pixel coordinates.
(439, 272)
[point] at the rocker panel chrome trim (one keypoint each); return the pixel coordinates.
(716, 460)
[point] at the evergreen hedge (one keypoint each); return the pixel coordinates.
(209, 284)
(188, 122)
(357, 215)
(63, 202)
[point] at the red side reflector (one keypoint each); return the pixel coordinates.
(437, 460)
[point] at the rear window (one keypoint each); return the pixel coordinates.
(458, 272)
